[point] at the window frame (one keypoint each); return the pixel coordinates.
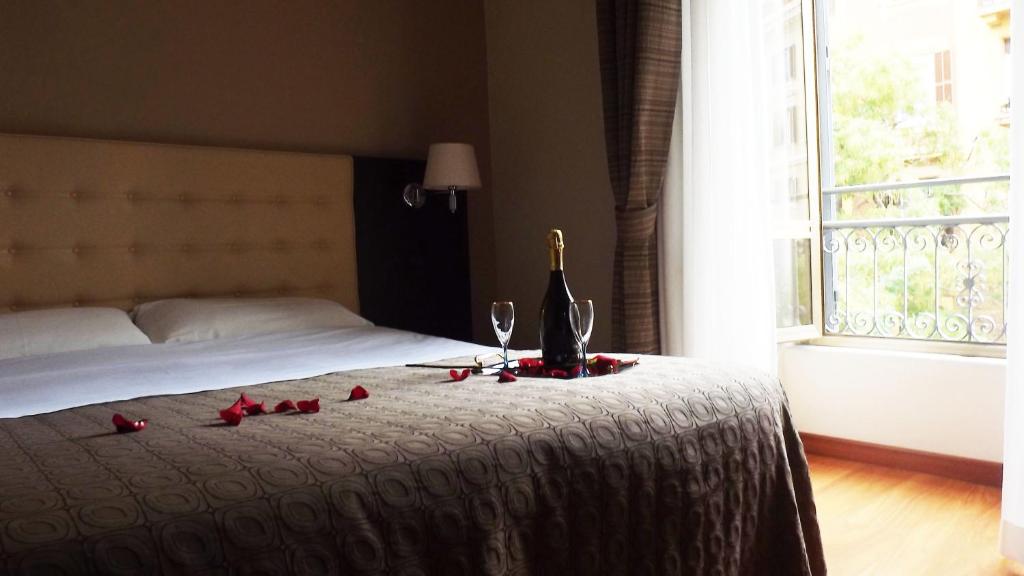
(809, 229)
(821, 176)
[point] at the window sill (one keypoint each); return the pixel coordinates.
(908, 345)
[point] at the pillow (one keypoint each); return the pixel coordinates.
(193, 320)
(65, 329)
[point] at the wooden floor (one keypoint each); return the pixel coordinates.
(881, 521)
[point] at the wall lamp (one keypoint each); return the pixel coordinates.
(451, 166)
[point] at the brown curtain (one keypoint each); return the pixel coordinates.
(640, 43)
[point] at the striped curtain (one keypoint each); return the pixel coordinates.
(639, 43)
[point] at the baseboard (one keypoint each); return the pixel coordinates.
(967, 469)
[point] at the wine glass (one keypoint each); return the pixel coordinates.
(503, 317)
(581, 317)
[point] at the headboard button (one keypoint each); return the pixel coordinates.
(130, 196)
(76, 250)
(76, 304)
(9, 193)
(73, 195)
(12, 250)
(185, 248)
(132, 249)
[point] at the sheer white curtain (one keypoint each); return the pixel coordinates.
(717, 284)
(1013, 448)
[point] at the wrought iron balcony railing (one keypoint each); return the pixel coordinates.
(938, 278)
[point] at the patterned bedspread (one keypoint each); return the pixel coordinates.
(674, 467)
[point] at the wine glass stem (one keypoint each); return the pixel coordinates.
(504, 355)
(586, 372)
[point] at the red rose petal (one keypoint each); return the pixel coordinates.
(360, 393)
(232, 415)
(124, 425)
(558, 373)
(284, 406)
(308, 406)
(576, 370)
(254, 409)
(506, 376)
(606, 364)
(531, 366)
(246, 402)
(459, 377)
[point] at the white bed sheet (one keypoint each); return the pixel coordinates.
(40, 384)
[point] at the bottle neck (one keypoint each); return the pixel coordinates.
(556, 259)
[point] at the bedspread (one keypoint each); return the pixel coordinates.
(674, 467)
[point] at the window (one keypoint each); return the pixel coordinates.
(943, 76)
(913, 178)
(795, 125)
(792, 63)
(795, 187)
(1004, 109)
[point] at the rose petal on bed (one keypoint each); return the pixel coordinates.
(360, 393)
(459, 376)
(284, 406)
(233, 414)
(576, 371)
(308, 406)
(255, 409)
(506, 376)
(606, 364)
(246, 401)
(531, 366)
(123, 424)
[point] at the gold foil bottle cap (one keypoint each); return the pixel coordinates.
(555, 246)
(555, 239)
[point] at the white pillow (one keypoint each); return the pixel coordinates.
(193, 320)
(65, 329)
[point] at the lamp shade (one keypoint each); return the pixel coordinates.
(451, 164)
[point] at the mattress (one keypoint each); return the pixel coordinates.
(675, 466)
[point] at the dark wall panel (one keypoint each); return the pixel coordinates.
(413, 263)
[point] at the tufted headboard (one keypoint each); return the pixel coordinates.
(100, 223)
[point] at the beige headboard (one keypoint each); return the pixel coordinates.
(98, 223)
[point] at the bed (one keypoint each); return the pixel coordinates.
(673, 467)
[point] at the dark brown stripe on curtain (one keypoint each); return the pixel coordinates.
(640, 43)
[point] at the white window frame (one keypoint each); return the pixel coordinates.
(821, 177)
(809, 229)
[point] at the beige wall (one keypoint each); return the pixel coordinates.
(548, 158)
(371, 77)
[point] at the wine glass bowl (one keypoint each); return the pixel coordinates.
(581, 317)
(503, 318)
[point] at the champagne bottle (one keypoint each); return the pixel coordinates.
(557, 342)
